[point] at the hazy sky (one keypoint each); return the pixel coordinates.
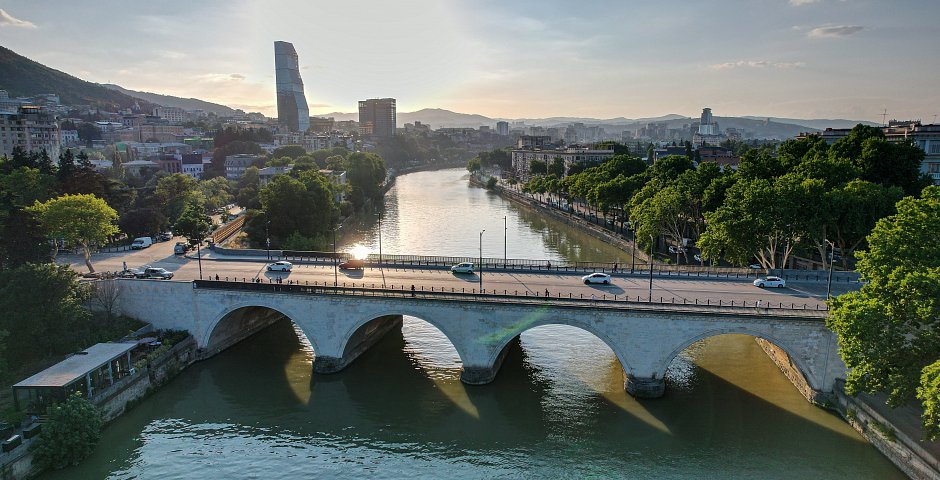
(631, 58)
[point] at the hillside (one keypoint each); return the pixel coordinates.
(22, 77)
(171, 101)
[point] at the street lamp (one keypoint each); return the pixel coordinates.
(380, 239)
(335, 275)
(651, 268)
(481, 260)
(199, 257)
(829, 282)
(505, 236)
(633, 250)
(267, 235)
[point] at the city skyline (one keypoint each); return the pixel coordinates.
(779, 58)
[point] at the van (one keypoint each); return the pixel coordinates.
(141, 242)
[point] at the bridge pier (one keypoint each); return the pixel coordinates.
(481, 375)
(644, 387)
(365, 337)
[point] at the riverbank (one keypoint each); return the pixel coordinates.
(892, 432)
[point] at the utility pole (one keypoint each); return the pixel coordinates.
(829, 281)
(335, 276)
(481, 260)
(633, 250)
(651, 268)
(505, 238)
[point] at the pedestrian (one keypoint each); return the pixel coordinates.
(615, 268)
(547, 294)
(412, 290)
(549, 265)
(217, 277)
(758, 303)
(124, 264)
(593, 298)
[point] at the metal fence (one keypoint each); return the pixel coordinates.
(516, 296)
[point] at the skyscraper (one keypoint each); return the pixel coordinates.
(377, 117)
(292, 108)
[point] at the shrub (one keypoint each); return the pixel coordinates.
(70, 434)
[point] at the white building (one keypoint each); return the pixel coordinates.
(192, 165)
(266, 174)
(235, 165)
(522, 159)
(174, 115)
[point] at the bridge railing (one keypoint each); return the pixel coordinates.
(796, 309)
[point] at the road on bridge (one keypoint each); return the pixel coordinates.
(680, 289)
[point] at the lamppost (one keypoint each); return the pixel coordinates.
(335, 275)
(267, 237)
(505, 236)
(481, 260)
(380, 239)
(829, 281)
(651, 268)
(199, 257)
(633, 250)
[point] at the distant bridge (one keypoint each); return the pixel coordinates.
(341, 323)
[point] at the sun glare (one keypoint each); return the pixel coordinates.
(360, 252)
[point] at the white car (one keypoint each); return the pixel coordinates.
(770, 282)
(281, 266)
(596, 278)
(674, 249)
(697, 257)
(755, 266)
(465, 267)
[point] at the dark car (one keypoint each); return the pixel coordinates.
(352, 264)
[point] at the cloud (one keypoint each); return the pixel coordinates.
(756, 64)
(798, 3)
(835, 31)
(220, 77)
(7, 20)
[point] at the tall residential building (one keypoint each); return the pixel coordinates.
(377, 117)
(292, 110)
(31, 128)
(502, 128)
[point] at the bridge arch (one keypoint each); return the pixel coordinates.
(798, 362)
(233, 325)
(392, 318)
(499, 353)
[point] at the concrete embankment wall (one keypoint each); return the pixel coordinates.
(902, 450)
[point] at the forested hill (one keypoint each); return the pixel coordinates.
(22, 77)
(171, 101)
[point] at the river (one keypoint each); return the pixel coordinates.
(557, 408)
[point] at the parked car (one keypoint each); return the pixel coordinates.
(674, 249)
(280, 266)
(755, 266)
(465, 267)
(179, 248)
(352, 264)
(158, 273)
(596, 278)
(164, 237)
(131, 273)
(141, 243)
(770, 282)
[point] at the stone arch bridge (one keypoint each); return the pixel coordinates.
(342, 323)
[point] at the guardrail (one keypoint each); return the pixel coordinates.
(516, 297)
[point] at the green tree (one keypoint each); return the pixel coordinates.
(69, 434)
(556, 167)
(175, 191)
(80, 220)
(538, 167)
(40, 329)
(192, 224)
(473, 165)
(365, 173)
(217, 193)
(289, 151)
(889, 331)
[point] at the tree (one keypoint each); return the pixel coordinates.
(40, 329)
(175, 191)
(192, 223)
(889, 331)
(473, 165)
(77, 219)
(290, 151)
(365, 173)
(538, 167)
(557, 167)
(69, 434)
(217, 193)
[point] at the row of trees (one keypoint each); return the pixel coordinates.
(778, 202)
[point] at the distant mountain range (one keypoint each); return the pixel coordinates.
(21, 76)
(171, 101)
